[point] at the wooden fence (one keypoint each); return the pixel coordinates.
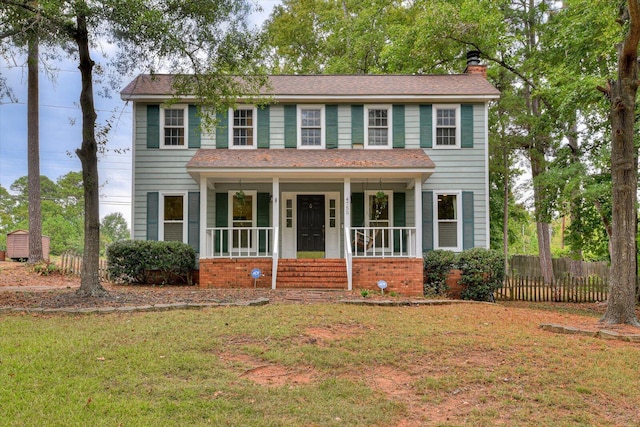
(71, 263)
(529, 266)
(567, 289)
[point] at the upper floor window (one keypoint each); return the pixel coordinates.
(243, 127)
(447, 128)
(174, 126)
(448, 225)
(311, 126)
(378, 120)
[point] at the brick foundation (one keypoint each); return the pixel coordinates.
(403, 275)
(234, 273)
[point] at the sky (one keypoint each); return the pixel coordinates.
(61, 127)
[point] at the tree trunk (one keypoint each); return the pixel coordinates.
(505, 210)
(542, 223)
(576, 198)
(624, 176)
(33, 153)
(90, 282)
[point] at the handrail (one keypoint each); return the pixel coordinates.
(348, 257)
(383, 241)
(274, 265)
(248, 242)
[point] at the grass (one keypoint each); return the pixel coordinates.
(313, 365)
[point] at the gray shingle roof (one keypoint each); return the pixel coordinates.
(340, 85)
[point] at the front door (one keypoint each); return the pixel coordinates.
(310, 223)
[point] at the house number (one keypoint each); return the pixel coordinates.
(310, 205)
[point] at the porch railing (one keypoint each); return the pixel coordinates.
(274, 265)
(383, 241)
(348, 255)
(230, 242)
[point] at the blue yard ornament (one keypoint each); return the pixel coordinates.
(256, 273)
(382, 285)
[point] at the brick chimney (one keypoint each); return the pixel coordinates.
(473, 64)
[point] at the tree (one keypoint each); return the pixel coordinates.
(113, 228)
(624, 171)
(206, 43)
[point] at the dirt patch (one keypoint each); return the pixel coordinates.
(269, 374)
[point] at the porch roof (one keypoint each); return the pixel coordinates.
(334, 162)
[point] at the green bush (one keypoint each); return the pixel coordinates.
(437, 265)
(482, 273)
(140, 261)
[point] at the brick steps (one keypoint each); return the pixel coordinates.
(323, 273)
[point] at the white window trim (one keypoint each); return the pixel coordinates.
(185, 213)
(185, 108)
(436, 220)
(389, 109)
(254, 214)
(367, 215)
(437, 107)
(255, 128)
(322, 126)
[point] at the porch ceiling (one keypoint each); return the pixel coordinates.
(314, 165)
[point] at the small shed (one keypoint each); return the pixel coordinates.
(18, 245)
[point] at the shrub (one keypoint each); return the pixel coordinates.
(482, 273)
(437, 265)
(46, 268)
(136, 261)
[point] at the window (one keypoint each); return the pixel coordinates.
(311, 126)
(289, 213)
(448, 228)
(447, 133)
(378, 120)
(174, 126)
(243, 218)
(378, 214)
(172, 218)
(243, 125)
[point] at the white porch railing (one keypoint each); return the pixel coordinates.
(383, 242)
(274, 265)
(249, 242)
(348, 255)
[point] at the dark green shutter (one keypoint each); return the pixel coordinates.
(193, 216)
(399, 220)
(426, 126)
(427, 221)
(153, 126)
(263, 220)
(194, 127)
(398, 126)
(331, 120)
(466, 125)
(222, 220)
(357, 124)
(222, 130)
(290, 125)
(264, 127)
(152, 215)
(468, 226)
(357, 209)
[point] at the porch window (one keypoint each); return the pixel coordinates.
(243, 218)
(447, 134)
(378, 129)
(243, 126)
(448, 221)
(174, 123)
(311, 126)
(173, 214)
(378, 215)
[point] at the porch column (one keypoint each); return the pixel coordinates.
(275, 215)
(203, 218)
(346, 225)
(417, 191)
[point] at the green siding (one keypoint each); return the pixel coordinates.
(426, 126)
(331, 119)
(468, 226)
(194, 127)
(399, 220)
(427, 221)
(152, 215)
(193, 215)
(290, 127)
(222, 220)
(466, 125)
(264, 127)
(153, 126)
(398, 126)
(222, 130)
(357, 209)
(263, 220)
(357, 124)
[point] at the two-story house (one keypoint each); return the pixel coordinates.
(342, 181)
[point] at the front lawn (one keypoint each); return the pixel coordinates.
(313, 365)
